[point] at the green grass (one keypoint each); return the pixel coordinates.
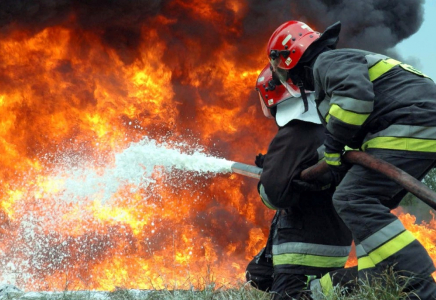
(389, 286)
(242, 292)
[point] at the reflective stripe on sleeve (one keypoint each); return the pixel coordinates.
(333, 159)
(346, 116)
(264, 198)
(351, 104)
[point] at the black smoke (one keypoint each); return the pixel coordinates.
(372, 25)
(195, 32)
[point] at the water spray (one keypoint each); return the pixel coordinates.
(135, 166)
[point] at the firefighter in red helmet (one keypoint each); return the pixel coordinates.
(307, 238)
(373, 102)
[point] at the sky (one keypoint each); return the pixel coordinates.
(420, 48)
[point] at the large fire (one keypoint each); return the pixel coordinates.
(67, 97)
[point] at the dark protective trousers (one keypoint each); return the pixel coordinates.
(363, 200)
(260, 274)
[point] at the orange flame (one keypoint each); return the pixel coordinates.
(83, 105)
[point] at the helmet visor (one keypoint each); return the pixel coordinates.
(265, 109)
(282, 75)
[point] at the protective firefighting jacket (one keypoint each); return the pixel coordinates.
(307, 236)
(368, 100)
(385, 107)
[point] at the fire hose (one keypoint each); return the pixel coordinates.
(246, 170)
(408, 182)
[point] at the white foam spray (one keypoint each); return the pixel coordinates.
(134, 167)
(80, 179)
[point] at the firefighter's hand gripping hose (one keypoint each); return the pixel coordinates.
(300, 185)
(407, 181)
(333, 158)
(410, 183)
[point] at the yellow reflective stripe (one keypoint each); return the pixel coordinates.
(380, 237)
(382, 67)
(309, 260)
(346, 148)
(391, 247)
(327, 119)
(347, 116)
(364, 262)
(326, 284)
(311, 248)
(405, 131)
(333, 159)
(399, 143)
(386, 250)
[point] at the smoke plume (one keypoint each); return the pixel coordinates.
(372, 25)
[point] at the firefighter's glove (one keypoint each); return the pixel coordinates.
(333, 157)
(260, 158)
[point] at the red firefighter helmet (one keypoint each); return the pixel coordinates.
(272, 92)
(289, 42)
